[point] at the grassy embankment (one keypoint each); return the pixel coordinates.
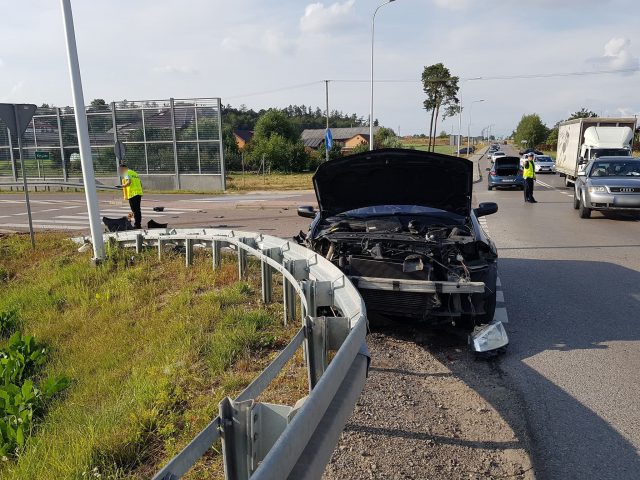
(150, 349)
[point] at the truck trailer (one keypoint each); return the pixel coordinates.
(582, 139)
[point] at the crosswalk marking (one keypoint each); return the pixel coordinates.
(81, 221)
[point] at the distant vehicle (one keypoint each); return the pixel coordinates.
(466, 150)
(497, 155)
(530, 150)
(505, 172)
(584, 139)
(608, 184)
(544, 163)
(494, 148)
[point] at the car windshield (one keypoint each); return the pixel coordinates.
(610, 152)
(616, 169)
(544, 159)
(383, 210)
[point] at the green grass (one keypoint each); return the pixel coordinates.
(151, 348)
(236, 181)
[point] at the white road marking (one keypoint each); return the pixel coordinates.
(498, 282)
(501, 315)
(500, 296)
(81, 221)
(45, 226)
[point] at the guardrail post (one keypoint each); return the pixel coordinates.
(139, 242)
(188, 258)
(242, 255)
(216, 246)
(160, 247)
(235, 418)
(300, 271)
(267, 273)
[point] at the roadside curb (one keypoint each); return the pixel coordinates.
(476, 163)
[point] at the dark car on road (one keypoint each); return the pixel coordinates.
(466, 150)
(505, 173)
(400, 225)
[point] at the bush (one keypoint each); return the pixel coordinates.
(279, 154)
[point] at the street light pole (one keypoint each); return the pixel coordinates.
(373, 30)
(88, 175)
(460, 111)
(469, 126)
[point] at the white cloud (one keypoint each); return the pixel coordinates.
(617, 56)
(453, 4)
(318, 18)
(269, 41)
(176, 69)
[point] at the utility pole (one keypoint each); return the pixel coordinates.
(88, 175)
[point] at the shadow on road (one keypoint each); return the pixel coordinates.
(566, 439)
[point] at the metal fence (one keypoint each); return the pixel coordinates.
(173, 136)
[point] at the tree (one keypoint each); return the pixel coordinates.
(583, 113)
(530, 131)
(335, 152)
(441, 89)
(443, 134)
(386, 138)
(280, 154)
(274, 122)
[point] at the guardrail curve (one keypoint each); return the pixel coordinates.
(270, 441)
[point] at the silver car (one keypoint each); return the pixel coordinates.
(608, 184)
(544, 163)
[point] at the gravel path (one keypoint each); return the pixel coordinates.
(429, 410)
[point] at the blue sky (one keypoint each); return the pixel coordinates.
(149, 49)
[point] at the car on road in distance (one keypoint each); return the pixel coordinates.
(496, 155)
(544, 163)
(399, 223)
(505, 172)
(466, 150)
(609, 184)
(530, 150)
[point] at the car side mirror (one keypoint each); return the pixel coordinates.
(306, 211)
(485, 208)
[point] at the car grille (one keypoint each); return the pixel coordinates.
(624, 189)
(401, 304)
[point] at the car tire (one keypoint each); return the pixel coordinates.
(489, 187)
(521, 188)
(583, 211)
(567, 182)
(576, 201)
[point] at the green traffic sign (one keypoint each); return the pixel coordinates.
(42, 155)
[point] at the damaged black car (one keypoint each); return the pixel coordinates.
(400, 224)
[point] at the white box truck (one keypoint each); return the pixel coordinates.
(581, 139)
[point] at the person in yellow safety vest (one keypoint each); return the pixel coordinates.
(529, 175)
(132, 191)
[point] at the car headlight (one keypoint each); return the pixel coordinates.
(597, 189)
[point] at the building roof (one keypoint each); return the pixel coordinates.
(313, 135)
(244, 135)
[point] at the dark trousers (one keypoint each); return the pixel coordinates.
(134, 203)
(528, 189)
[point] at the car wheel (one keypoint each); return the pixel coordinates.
(583, 211)
(567, 182)
(521, 188)
(576, 200)
(489, 187)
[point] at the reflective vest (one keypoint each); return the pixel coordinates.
(531, 171)
(134, 188)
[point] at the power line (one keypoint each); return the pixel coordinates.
(275, 90)
(504, 77)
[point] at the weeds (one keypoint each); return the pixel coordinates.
(9, 323)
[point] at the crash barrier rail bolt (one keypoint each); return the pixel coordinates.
(264, 440)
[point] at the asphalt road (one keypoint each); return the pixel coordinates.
(572, 287)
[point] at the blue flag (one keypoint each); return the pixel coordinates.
(328, 139)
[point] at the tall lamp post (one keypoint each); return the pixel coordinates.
(373, 30)
(86, 161)
(469, 125)
(460, 111)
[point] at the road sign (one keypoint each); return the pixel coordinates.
(25, 113)
(119, 149)
(328, 139)
(42, 155)
(74, 157)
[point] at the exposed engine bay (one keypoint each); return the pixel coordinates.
(408, 265)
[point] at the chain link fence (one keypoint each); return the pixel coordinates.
(173, 143)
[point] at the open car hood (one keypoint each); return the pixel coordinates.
(394, 177)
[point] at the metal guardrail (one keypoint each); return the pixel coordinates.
(267, 441)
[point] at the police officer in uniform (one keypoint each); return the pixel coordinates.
(132, 191)
(529, 175)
